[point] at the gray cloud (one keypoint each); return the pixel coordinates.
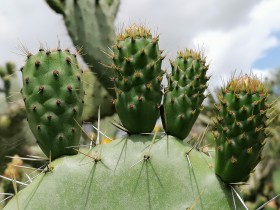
(180, 20)
(29, 22)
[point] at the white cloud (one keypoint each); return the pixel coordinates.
(263, 73)
(178, 21)
(6, 28)
(238, 48)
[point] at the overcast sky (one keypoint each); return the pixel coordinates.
(235, 34)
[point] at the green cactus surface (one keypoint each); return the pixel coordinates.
(53, 95)
(96, 96)
(90, 24)
(133, 172)
(185, 93)
(137, 63)
(241, 124)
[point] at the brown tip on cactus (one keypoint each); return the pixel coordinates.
(134, 31)
(249, 83)
(190, 53)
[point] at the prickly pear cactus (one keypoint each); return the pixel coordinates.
(53, 95)
(134, 172)
(10, 82)
(137, 171)
(90, 24)
(241, 125)
(185, 93)
(137, 63)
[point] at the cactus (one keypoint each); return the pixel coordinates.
(91, 26)
(7, 74)
(185, 93)
(136, 171)
(137, 63)
(53, 95)
(133, 172)
(241, 124)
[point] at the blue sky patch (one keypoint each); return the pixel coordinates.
(271, 59)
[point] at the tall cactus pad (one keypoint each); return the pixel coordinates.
(185, 93)
(90, 24)
(137, 63)
(53, 95)
(241, 124)
(129, 173)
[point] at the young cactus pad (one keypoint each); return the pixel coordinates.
(134, 172)
(53, 95)
(241, 124)
(137, 63)
(185, 93)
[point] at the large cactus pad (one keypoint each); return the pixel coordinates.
(133, 172)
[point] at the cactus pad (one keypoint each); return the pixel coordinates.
(53, 95)
(133, 172)
(185, 93)
(137, 63)
(241, 124)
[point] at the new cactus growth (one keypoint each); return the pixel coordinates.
(185, 93)
(53, 95)
(137, 63)
(241, 125)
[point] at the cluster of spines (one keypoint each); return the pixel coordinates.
(241, 124)
(53, 96)
(138, 76)
(185, 93)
